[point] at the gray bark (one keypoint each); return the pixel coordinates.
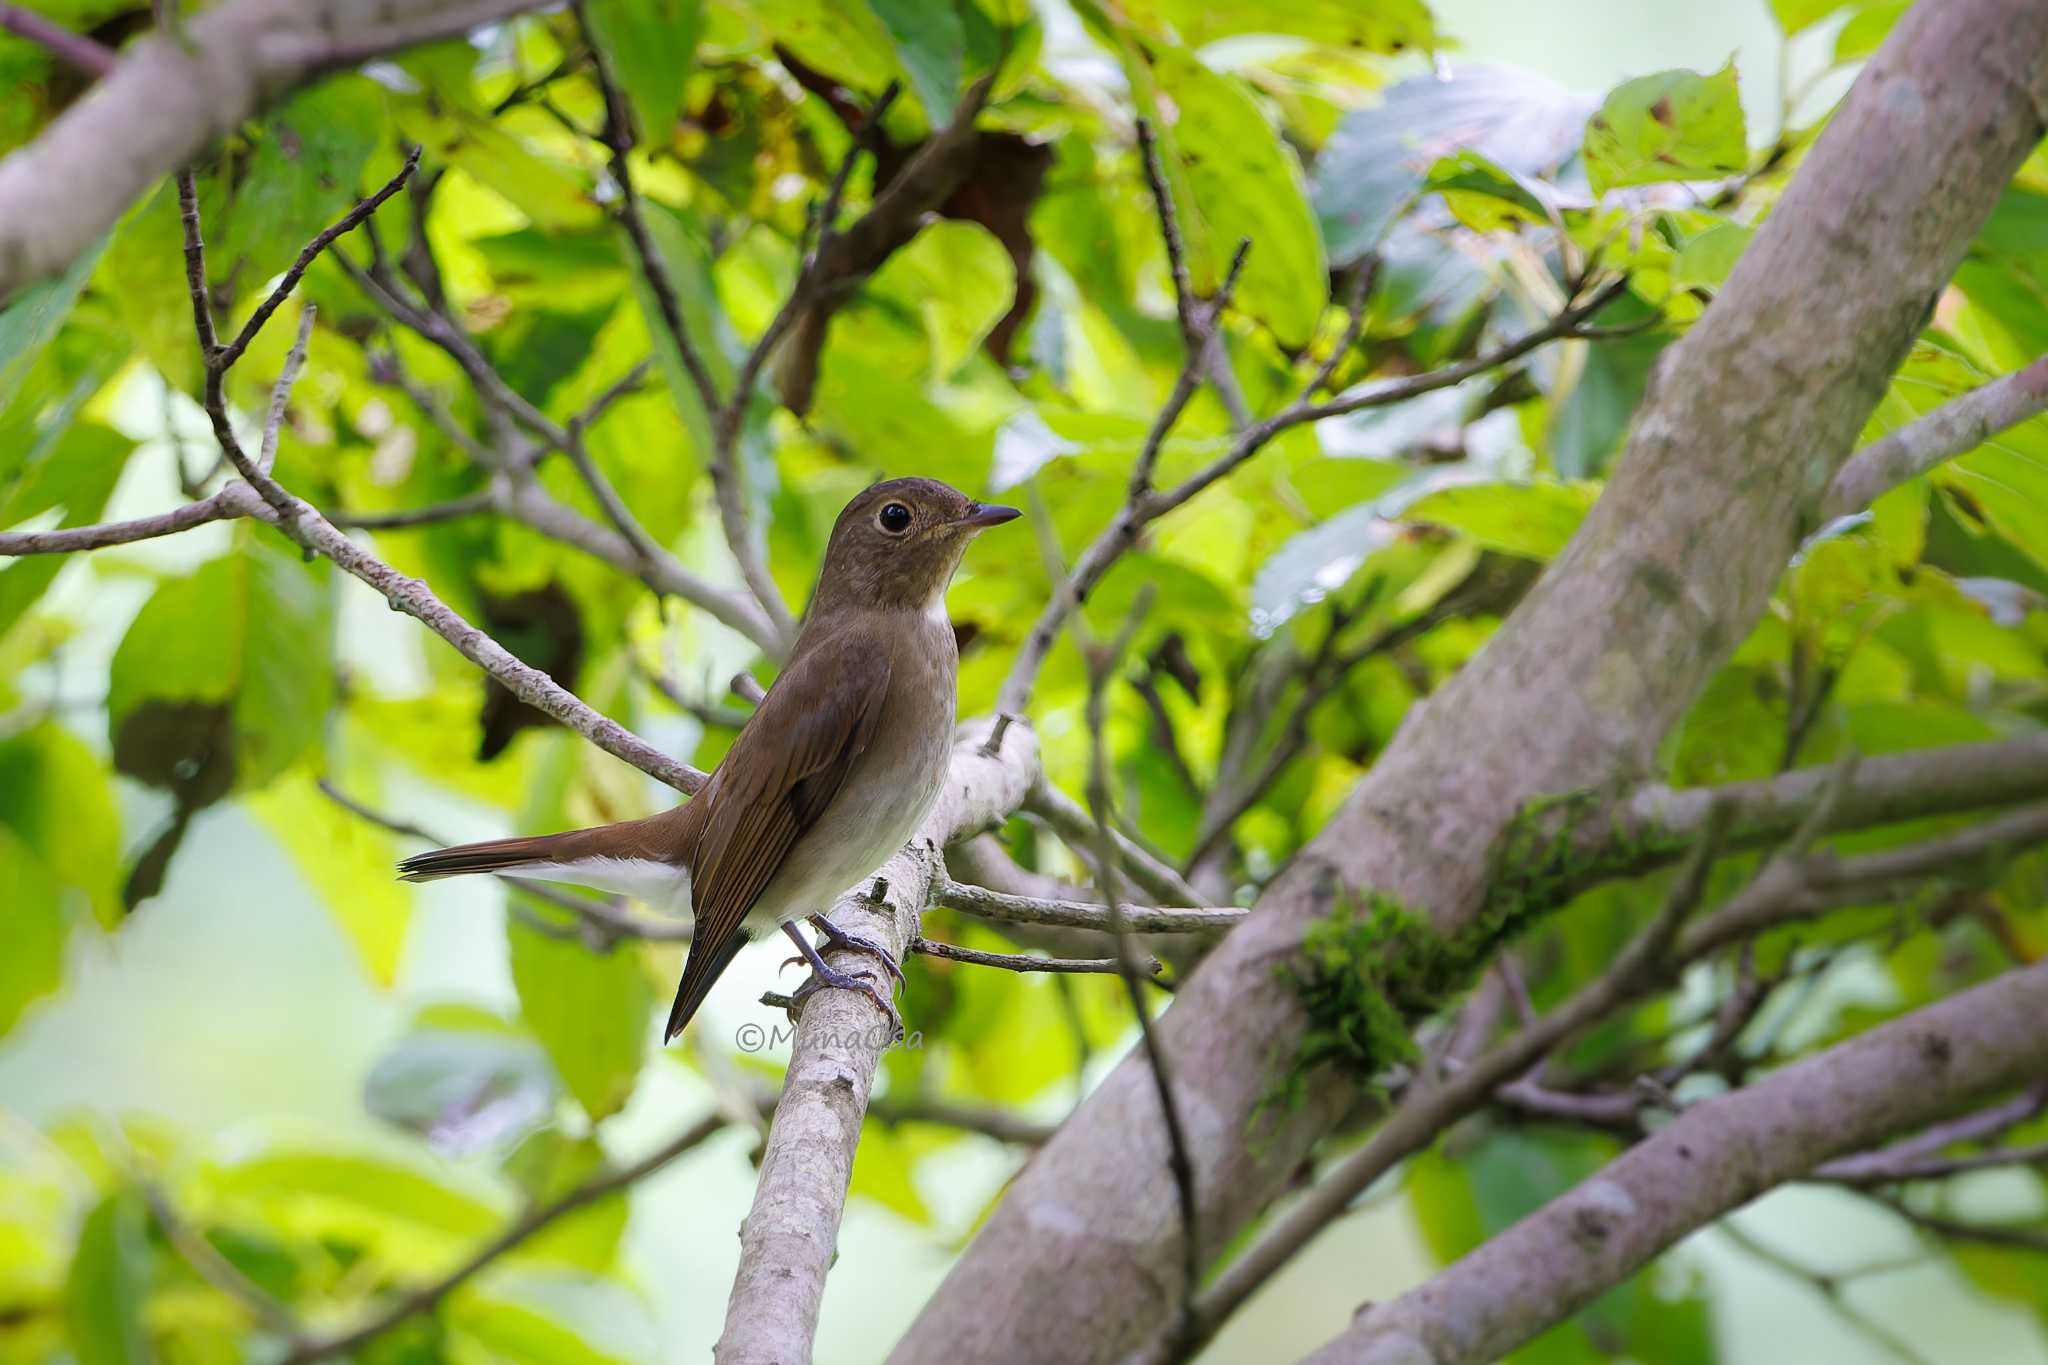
(1715, 1157)
(171, 96)
(790, 1237)
(1747, 420)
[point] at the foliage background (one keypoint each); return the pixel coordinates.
(239, 1017)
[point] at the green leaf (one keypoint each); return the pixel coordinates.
(1533, 520)
(74, 469)
(1234, 180)
(409, 1219)
(109, 1282)
(1707, 258)
(347, 862)
(33, 317)
(1380, 156)
(247, 641)
(55, 796)
(959, 280)
(1587, 426)
(590, 1011)
(32, 911)
(1386, 26)
(931, 42)
(649, 45)
(1675, 125)
(845, 41)
(303, 175)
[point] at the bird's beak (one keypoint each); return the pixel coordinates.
(982, 515)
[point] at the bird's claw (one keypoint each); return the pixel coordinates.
(822, 977)
(840, 938)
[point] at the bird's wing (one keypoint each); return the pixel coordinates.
(783, 771)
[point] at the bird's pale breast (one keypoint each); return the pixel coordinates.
(890, 791)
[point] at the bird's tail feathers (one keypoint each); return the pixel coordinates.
(706, 963)
(493, 855)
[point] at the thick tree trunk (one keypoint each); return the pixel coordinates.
(1747, 420)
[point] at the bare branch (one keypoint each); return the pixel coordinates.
(77, 49)
(789, 1238)
(1715, 1156)
(304, 525)
(347, 223)
(475, 504)
(216, 1269)
(1955, 428)
(1886, 1164)
(1068, 914)
(281, 392)
(1431, 1108)
(219, 507)
(1024, 962)
(172, 94)
(1077, 829)
(1122, 534)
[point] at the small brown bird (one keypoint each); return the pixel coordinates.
(832, 773)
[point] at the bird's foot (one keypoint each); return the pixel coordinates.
(822, 977)
(840, 938)
(823, 974)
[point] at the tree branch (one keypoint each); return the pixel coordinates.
(304, 525)
(1068, 914)
(789, 1238)
(1024, 962)
(1955, 428)
(1714, 1157)
(1138, 512)
(76, 49)
(1575, 692)
(172, 94)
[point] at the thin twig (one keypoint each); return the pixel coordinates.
(347, 223)
(76, 49)
(280, 394)
(1102, 666)
(1955, 428)
(995, 905)
(1124, 528)
(216, 1269)
(1024, 962)
(535, 1220)
(304, 525)
(474, 504)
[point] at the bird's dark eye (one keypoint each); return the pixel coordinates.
(894, 518)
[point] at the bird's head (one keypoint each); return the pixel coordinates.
(898, 542)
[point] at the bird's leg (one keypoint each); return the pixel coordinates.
(840, 938)
(823, 975)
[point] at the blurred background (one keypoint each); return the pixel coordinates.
(280, 999)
